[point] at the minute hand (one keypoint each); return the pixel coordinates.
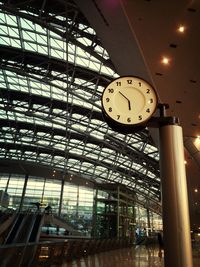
(129, 103)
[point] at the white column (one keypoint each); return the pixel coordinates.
(176, 224)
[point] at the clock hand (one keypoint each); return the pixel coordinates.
(129, 103)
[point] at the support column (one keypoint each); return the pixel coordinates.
(77, 203)
(118, 212)
(176, 224)
(148, 218)
(94, 217)
(23, 192)
(6, 189)
(61, 197)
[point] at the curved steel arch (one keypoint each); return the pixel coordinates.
(151, 164)
(22, 58)
(34, 66)
(69, 32)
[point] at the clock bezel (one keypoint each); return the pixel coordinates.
(128, 126)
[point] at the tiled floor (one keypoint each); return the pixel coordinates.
(130, 257)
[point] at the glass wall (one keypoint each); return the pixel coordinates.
(148, 220)
(77, 201)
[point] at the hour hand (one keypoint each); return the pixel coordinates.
(129, 103)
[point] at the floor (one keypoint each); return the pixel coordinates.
(130, 257)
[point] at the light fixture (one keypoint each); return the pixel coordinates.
(195, 190)
(165, 60)
(181, 28)
(196, 142)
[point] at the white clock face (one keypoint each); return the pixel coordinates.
(129, 100)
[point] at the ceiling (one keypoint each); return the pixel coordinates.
(137, 35)
(53, 70)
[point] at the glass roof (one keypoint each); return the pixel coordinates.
(53, 71)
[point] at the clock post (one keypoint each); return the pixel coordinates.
(128, 105)
(176, 223)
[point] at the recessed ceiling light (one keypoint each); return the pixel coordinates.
(165, 60)
(181, 28)
(196, 143)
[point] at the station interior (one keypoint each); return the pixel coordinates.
(74, 191)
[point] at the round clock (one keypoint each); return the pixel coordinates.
(129, 101)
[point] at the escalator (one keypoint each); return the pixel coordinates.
(55, 220)
(26, 228)
(3, 217)
(14, 229)
(36, 230)
(6, 220)
(20, 244)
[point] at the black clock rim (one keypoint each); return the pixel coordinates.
(124, 128)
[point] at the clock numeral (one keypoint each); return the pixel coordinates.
(107, 99)
(118, 83)
(118, 116)
(148, 91)
(140, 84)
(140, 117)
(148, 110)
(110, 90)
(151, 100)
(110, 109)
(128, 119)
(130, 81)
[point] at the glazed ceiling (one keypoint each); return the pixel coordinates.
(53, 70)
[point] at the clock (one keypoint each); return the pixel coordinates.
(128, 102)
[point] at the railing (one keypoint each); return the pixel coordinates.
(44, 253)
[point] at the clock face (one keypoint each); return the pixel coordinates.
(129, 100)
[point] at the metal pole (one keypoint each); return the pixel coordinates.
(94, 217)
(61, 197)
(148, 219)
(176, 224)
(23, 192)
(118, 213)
